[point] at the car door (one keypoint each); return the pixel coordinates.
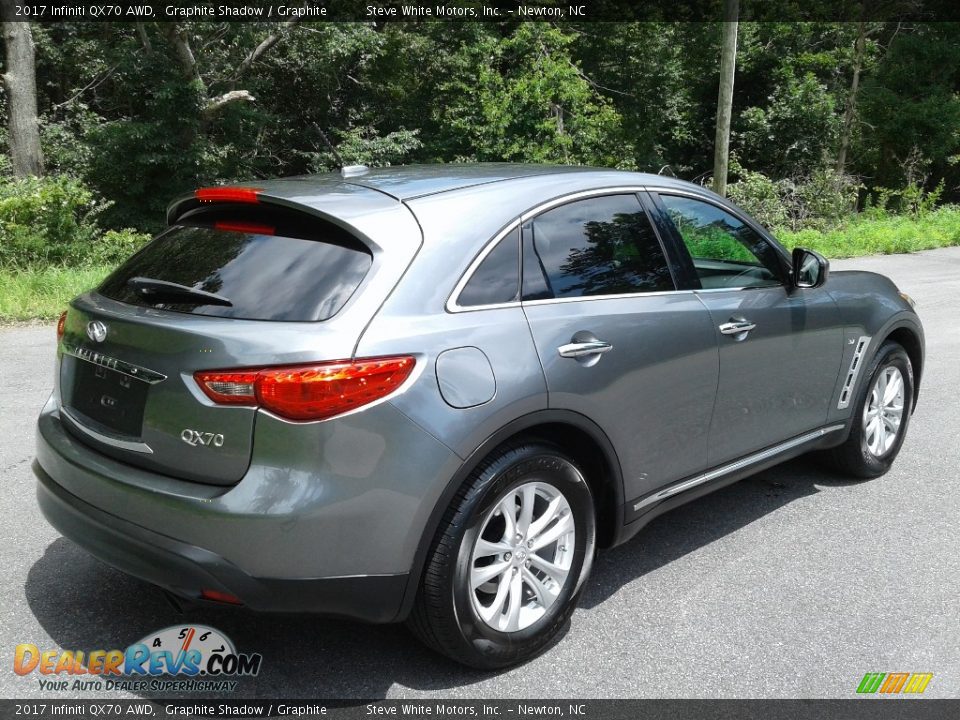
(780, 347)
(617, 342)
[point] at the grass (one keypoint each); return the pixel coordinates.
(886, 235)
(43, 293)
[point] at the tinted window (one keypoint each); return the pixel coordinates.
(263, 276)
(598, 246)
(497, 279)
(726, 252)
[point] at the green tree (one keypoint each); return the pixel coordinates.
(523, 98)
(911, 110)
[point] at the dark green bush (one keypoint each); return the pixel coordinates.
(820, 200)
(53, 221)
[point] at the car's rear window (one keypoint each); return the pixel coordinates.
(263, 276)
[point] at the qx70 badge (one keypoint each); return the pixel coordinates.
(196, 438)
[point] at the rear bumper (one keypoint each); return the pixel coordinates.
(185, 569)
(320, 523)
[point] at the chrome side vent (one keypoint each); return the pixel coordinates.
(853, 372)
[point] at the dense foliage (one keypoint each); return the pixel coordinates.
(53, 221)
(124, 117)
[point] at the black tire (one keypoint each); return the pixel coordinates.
(853, 458)
(444, 616)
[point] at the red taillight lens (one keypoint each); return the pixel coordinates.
(309, 392)
(217, 596)
(61, 325)
(225, 193)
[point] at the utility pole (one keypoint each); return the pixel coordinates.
(728, 66)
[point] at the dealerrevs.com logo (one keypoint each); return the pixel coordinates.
(180, 658)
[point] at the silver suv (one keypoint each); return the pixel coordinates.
(431, 393)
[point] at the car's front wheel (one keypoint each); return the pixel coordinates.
(510, 558)
(881, 416)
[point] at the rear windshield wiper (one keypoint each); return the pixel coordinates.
(159, 291)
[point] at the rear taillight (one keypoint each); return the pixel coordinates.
(308, 392)
(226, 193)
(61, 325)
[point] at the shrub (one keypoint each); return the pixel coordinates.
(821, 200)
(912, 199)
(52, 221)
(760, 196)
(41, 218)
(111, 248)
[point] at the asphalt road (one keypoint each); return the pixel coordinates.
(793, 583)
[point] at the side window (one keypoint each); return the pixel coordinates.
(597, 246)
(725, 251)
(497, 279)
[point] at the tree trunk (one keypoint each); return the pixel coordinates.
(728, 65)
(20, 82)
(181, 48)
(851, 111)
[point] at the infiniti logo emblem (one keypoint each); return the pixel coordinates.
(96, 331)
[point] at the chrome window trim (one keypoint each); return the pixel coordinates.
(581, 195)
(453, 306)
(753, 225)
(713, 201)
(453, 302)
(734, 466)
(627, 296)
(132, 445)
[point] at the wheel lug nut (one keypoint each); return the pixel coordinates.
(529, 543)
(519, 537)
(507, 556)
(527, 563)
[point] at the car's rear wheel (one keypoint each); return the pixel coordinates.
(880, 417)
(509, 559)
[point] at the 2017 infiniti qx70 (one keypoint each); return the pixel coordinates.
(431, 393)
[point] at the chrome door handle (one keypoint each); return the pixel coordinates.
(582, 349)
(735, 327)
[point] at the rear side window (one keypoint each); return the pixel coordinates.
(497, 279)
(597, 246)
(258, 270)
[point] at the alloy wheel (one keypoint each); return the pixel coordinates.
(522, 557)
(883, 411)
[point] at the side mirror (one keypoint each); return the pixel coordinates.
(810, 269)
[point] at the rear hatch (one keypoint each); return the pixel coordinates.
(230, 285)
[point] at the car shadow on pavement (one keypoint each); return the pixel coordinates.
(702, 521)
(86, 605)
